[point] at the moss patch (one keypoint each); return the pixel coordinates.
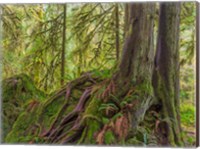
(17, 91)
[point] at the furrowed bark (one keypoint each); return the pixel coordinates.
(166, 74)
(136, 66)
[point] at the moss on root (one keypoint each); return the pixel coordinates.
(91, 116)
(97, 125)
(25, 128)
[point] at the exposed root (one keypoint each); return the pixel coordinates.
(71, 122)
(75, 124)
(108, 91)
(71, 117)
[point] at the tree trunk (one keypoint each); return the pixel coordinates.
(166, 74)
(126, 19)
(117, 31)
(63, 45)
(137, 60)
(138, 46)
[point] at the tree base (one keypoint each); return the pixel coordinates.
(86, 111)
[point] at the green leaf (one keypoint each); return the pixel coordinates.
(105, 120)
(117, 115)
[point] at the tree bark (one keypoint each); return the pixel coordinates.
(136, 67)
(166, 74)
(138, 46)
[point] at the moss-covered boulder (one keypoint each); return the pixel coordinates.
(41, 115)
(16, 92)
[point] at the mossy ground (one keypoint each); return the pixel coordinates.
(37, 112)
(18, 91)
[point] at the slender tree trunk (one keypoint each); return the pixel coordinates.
(126, 19)
(63, 45)
(117, 31)
(166, 74)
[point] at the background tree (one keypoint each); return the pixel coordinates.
(63, 46)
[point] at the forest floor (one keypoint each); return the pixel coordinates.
(187, 107)
(188, 123)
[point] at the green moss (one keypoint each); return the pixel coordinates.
(91, 116)
(105, 73)
(144, 87)
(91, 129)
(50, 112)
(109, 137)
(187, 115)
(21, 84)
(17, 91)
(43, 117)
(134, 141)
(93, 106)
(21, 131)
(140, 135)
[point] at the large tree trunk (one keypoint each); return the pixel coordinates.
(137, 60)
(166, 74)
